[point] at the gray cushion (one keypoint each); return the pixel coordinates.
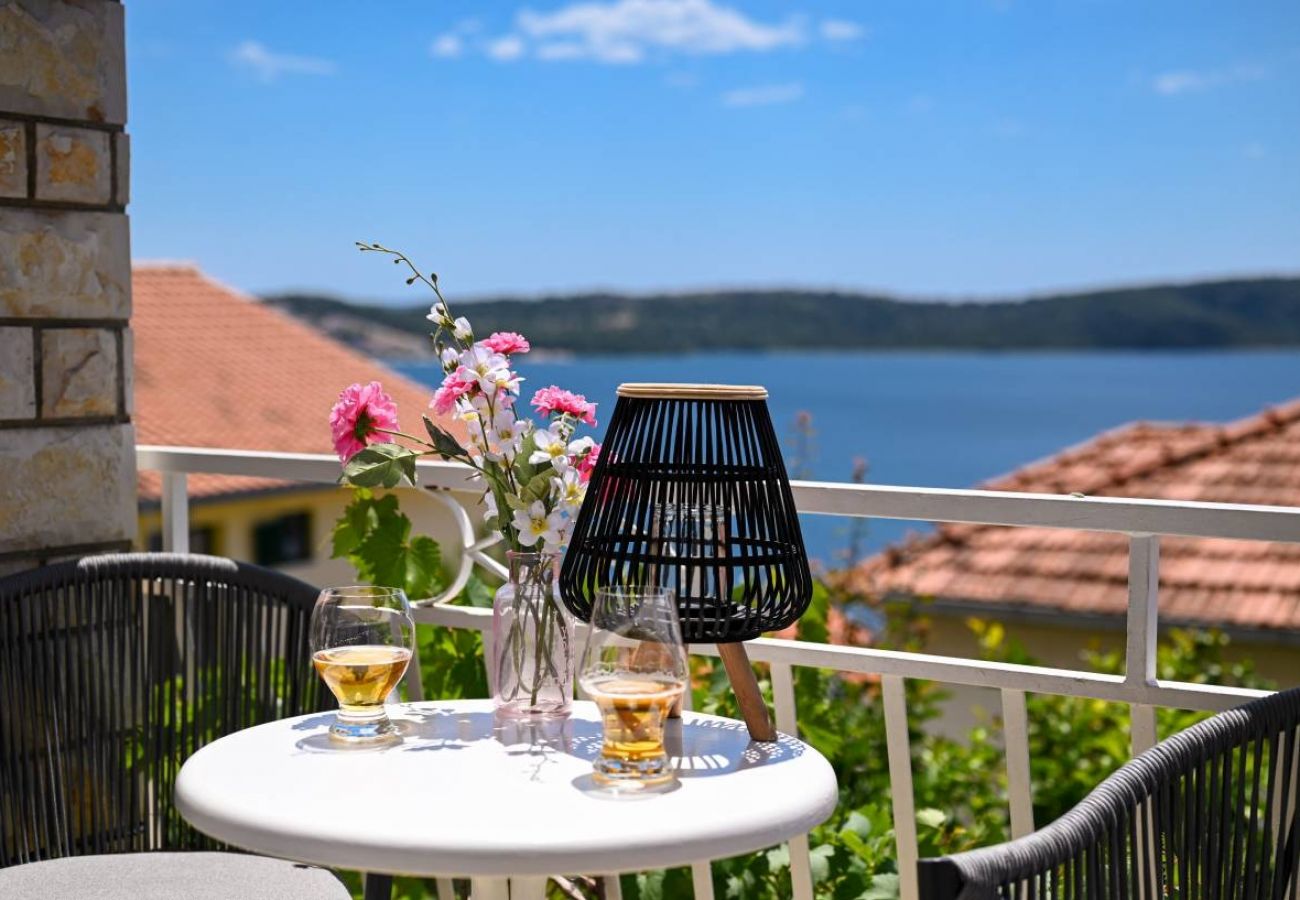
(169, 876)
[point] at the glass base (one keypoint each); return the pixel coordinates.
(542, 709)
(353, 730)
(610, 770)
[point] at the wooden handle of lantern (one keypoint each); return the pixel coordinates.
(745, 686)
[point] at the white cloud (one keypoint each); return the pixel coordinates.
(763, 95)
(1185, 81)
(452, 44)
(632, 31)
(629, 31)
(505, 49)
(1179, 82)
(842, 30)
(268, 66)
(447, 46)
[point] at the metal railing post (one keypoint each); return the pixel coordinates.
(1015, 737)
(1142, 626)
(899, 749)
(175, 513)
(787, 720)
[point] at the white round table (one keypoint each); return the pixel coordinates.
(467, 795)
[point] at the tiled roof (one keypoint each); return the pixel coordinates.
(1236, 584)
(216, 368)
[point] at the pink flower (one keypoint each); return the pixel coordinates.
(445, 397)
(359, 411)
(587, 464)
(507, 342)
(551, 400)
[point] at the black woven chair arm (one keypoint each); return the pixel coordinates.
(980, 874)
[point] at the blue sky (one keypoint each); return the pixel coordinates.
(923, 147)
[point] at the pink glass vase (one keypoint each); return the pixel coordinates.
(532, 659)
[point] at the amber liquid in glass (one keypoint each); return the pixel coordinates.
(633, 709)
(362, 676)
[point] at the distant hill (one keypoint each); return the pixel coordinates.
(1262, 312)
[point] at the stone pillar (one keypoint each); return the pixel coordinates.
(67, 449)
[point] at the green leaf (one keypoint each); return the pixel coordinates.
(884, 886)
(539, 488)
(663, 885)
(446, 445)
(352, 525)
(478, 593)
(383, 546)
(423, 567)
(381, 465)
(375, 536)
(856, 844)
(931, 818)
(852, 886)
(819, 859)
(858, 824)
(738, 887)
(778, 858)
(524, 470)
(414, 565)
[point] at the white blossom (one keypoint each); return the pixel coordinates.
(551, 448)
(505, 380)
(569, 490)
(556, 537)
(450, 359)
(534, 524)
(462, 329)
(481, 365)
(507, 434)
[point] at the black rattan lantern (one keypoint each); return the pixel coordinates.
(691, 493)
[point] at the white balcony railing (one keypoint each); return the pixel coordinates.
(1143, 521)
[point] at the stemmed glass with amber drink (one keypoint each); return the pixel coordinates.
(361, 640)
(634, 668)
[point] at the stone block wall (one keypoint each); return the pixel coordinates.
(67, 449)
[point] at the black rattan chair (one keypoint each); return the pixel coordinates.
(1209, 813)
(113, 670)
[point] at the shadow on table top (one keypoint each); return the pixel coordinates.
(700, 749)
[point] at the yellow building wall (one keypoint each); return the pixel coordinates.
(235, 518)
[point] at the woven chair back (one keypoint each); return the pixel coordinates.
(113, 670)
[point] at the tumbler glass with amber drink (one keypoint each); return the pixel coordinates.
(362, 638)
(634, 668)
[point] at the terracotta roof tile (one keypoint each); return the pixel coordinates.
(1249, 584)
(216, 368)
